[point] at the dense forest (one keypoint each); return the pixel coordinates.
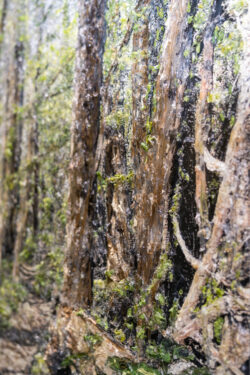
(124, 212)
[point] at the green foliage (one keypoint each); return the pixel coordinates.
(117, 119)
(162, 269)
(173, 311)
(29, 249)
(117, 179)
(158, 352)
(122, 367)
(186, 53)
(71, 360)
(201, 17)
(167, 352)
(156, 361)
(150, 140)
(211, 292)
(49, 273)
(120, 335)
(218, 325)
(175, 201)
(121, 178)
(11, 294)
(123, 287)
(93, 340)
(39, 366)
(196, 371)
(101, 182)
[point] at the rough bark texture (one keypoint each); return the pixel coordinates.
(228, 241)
(157, 263)
(152, 204)
(85, 129)
(171, 189)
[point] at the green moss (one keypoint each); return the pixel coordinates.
(186, 53)
(39, 366)
(211, 292)
(120, 335)
(157, 358)
(232, 121)
(93, 340)
(218, 325)
(122, 287)
(123, 367)
(29, 249)
(71, 359)
(175, 201)
(162, 269)
(160, 12)
(118, 179)
(173, 311)
(117, 119)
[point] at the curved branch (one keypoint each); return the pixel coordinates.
(213, 164)
(195, 263)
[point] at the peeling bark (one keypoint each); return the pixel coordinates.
(229, 234)
(85, 129)
(152, 205)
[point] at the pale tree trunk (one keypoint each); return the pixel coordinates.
(227, 244)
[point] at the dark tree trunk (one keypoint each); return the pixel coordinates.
(85, 130)
(11, 151)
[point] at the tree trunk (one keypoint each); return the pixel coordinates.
(85, 130)
(3, 20)
(10, 162)
(227, 244)
(163, 226)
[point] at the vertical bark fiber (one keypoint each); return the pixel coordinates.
(152, 205)
(226, 250)
(85, 129)
(166, 219)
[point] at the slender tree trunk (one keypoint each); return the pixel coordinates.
(26, 195)
(85, 129)
(3, 21)
(11, 151)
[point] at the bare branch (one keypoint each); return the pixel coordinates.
(213, 164)
(195, 263)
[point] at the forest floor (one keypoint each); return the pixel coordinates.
(25, 337)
